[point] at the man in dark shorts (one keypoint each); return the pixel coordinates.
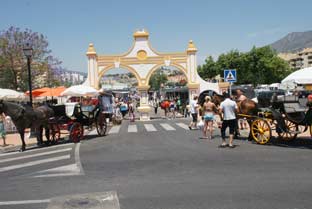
(228, 107)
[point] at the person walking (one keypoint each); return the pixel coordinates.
(2, 128)
(228, 108)
(155, 105)
(131, 111)
(194, 112)
(172, 108)
(209, 110)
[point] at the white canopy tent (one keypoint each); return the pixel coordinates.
(80, 90)
(12, 95)
(302, 76)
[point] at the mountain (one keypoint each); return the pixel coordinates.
(293, 42)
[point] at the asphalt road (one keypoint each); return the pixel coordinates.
(164, 166)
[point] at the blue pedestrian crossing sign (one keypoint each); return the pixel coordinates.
(230, 75)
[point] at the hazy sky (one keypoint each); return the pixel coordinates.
(215, 26)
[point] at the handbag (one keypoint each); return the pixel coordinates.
(200, 124)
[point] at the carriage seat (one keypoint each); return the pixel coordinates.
(293, 107)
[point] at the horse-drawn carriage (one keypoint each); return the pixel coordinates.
(73, 117)
(284, 114)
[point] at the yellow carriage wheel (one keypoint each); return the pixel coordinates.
(311, 130)
(261, 131)
(292, 131)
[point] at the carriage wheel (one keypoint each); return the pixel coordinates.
(76, 132)
(55, 133)
(261, 131)
(311, 130)
(101, 125)
(292, 131)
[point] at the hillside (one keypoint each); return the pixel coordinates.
(293, 42)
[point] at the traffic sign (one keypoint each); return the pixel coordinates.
(230, 75)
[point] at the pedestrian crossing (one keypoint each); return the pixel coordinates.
(60, 160)
(148, 127)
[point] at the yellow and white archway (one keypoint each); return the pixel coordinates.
(142, 60)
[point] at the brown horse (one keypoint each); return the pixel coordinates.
(26, 117)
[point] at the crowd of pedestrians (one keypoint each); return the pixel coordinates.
(203, 117)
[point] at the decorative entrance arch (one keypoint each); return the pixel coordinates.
(142, 60)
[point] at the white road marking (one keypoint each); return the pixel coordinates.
(35, 155)
(167, 127)
(36, 150)
(23, 202)
(37, 162)
(77, 159)
(114, 130)
(67, 170)
(150, 127)
(183, 125)
(132, 129)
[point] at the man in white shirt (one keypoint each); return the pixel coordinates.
(194, 112)
(228, 107)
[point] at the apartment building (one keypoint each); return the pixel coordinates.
(299, 60)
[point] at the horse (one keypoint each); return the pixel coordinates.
(27, 117)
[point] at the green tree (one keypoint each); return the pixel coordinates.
(209, 69)
(13, 68)
(258, 66)
(157, 79)
(264, 66)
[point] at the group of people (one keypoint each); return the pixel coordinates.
(171, 107)
(207, 112)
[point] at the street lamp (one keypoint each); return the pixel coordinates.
(28, 53)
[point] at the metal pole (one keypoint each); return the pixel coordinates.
(230, 89)
(29, 81)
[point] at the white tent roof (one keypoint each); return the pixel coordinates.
(303, 76)
(9, 94)
(80, 90)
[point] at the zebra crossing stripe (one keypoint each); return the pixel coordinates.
(32, 163)
(114, 130)
(167, 127)
(132, 129)
(35, 155)
(150, 127)
(183, 125)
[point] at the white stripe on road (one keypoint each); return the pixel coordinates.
(34, 150)
(37, 162)
(150, 127)
(132, 129)
(167, 127)
(114, 130)
(23, 202)
(183, 125)
(35, 155)
(77, 159)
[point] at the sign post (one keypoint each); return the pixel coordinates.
(230, 76)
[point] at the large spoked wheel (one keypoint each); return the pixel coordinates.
(101, 124)
(292, 131)
(261, 131)
(55, 133)
(76, 132)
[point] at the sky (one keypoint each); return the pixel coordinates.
(215, 26)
